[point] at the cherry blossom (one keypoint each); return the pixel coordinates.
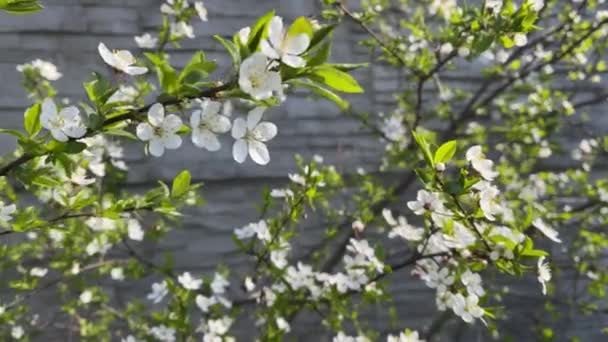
(46, 69)
(548, 231)
(425, 201)
(159, 291)
(400, 227)
(146, 41)
(282, 46)
(121, 60)
(160, 131)
(544, 273)
(467, 308)
(64, 124)
(201, 10)
(207, 123)
(6, 212)
(257, 80)
(189, 282)
(482, 165)
(251, 136)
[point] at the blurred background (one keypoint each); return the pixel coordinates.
(67, 33)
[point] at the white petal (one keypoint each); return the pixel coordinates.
(219, 124)
(206, 139)
(275, 31)
(59, 135)
(106, 55)
(75, 131)
(259, 152)
(156, 114)
(211, 108)
(172, 123)
(239, 150)
(265, 131)
(145, 132)
(296, 45)
(125, 57)
(254, 116)
(172, 141)
(135, 70)
(156, 147)
(49, 107)
(70, 114)
(294, 61)
(195, 119)
(239, 128)
(268, 50)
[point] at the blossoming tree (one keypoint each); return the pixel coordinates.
(486, 209)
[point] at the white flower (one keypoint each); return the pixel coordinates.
(444, 7)
(38, 272)
(482, 165)
(544, 228)
(160, 131)
(86, 297)
(189, 282)
(341, 337)
(181, 29)
(100, 223)
(124, 94)
(284, 47)
(134, 230)
(6, 212)
(159, 291)
(46, 69)
(121, 60)
(488, 203)
(219, 284)
(204, 302)
(99, 245)
(544, 273)
(282, 324)
(207, 123)
(250, 137)
(520, 39)
(146, 41)
(259, 229)
(130, 338)
(199, 6)
(425, 201)
(117, 273)
(163, 333)
(64, 124)
(402, 229)
(537, 5)
(17, 332)
(494, 5)
(79, 177)
(467, 308)
(473, 283)
(249, 284)
(257, 80)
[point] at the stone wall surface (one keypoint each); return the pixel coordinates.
(67, 32)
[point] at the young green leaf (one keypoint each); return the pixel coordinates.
(31, 120)
(336, 79)
(258, 31)
(445, 152)
(181, 184)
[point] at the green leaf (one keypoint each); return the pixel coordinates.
(323, 92)
(31, 120)
(167, 76)
(232, 50)
(20, 6)
(425, 147)
(445, 152)
(12, 132)
(321, 34)
(197, 69)
(336, 79)
(99, 89)
(259, 30)
(321, 55)
(299, 26)
(181, 184)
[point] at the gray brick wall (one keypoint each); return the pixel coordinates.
(67, 32)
